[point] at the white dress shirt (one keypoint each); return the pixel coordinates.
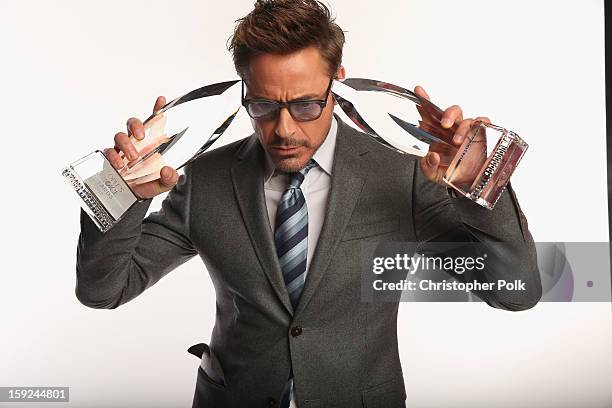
(315, 188)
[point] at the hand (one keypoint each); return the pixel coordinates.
(432, 165)
(124, 146)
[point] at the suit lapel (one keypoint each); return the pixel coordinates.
(347, 183)
(248, 180)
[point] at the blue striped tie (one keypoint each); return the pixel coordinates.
(291, 240)
(291, 234)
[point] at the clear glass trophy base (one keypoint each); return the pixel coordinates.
(104, 194)
(482, 167)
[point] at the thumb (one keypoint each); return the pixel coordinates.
(429, 165)
(168, 177)
(433, 159)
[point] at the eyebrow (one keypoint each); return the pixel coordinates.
(307, 97)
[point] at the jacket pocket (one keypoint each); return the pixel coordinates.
(202, 350)
(208, 393)
(371, 229)
(390, 394)
(207, 378)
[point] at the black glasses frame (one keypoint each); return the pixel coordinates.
(279, 105)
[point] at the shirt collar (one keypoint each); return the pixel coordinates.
(324, 155)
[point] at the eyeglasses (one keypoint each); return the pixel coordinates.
(300, 110)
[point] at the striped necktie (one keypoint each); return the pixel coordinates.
(291, 240)
(291, 234)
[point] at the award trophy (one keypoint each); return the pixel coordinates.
(175, 135)
(183, 129)
(479, 169)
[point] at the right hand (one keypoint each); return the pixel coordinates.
(456, 128)
(123, 143)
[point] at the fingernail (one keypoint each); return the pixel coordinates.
(166, 173)
(457, 138)
(446, 122)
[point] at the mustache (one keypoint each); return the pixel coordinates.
(287, 142)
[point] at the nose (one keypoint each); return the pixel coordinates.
(285, 125)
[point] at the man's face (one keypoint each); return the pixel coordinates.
(300, 75)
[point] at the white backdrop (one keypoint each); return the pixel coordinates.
(72, 72)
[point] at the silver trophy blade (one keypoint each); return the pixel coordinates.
(364, 84)
(213, 138)
(159, 149)
(172, 141)
(417, 132)
(370, 85)
(203, 92)
(348, 108)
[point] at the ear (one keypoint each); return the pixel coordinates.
(341, 74)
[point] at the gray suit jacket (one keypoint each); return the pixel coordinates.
(343, 351)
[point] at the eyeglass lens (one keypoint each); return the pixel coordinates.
(300, 111)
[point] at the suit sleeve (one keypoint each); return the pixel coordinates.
(115, 267)
(502, 233)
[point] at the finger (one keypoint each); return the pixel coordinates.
(464, 128)
(135, 128)
(451, 116)
(159, 103)
(484, 119)
(124, 144)
(168, 179)
(462, 131)
(430, 166)
(421, 92)
(114, 158)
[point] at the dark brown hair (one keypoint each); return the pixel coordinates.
(283, 27)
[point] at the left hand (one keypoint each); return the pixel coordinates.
(452, 119)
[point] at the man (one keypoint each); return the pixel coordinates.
(292, 205)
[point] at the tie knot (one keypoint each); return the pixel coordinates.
(297, 178)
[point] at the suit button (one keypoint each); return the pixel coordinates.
(271, 402)
(296, 331)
